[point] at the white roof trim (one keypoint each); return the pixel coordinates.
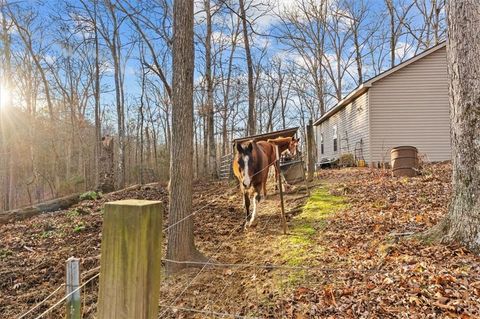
(362, 88)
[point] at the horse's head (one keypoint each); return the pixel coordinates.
(292, 146)
(244, 159)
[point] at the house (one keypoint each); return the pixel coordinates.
(406, 105)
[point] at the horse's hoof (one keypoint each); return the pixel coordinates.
(253, 223)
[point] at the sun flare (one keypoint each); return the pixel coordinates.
(4, 96)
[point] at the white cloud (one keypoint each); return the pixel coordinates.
(404, 51)
(219, 37)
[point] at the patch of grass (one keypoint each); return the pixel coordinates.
(300, 247)
(79, 227)
(47, 234)
(91, 195)
(4, 253)
(73, 213)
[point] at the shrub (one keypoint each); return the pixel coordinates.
(91, 195)
(346, 160)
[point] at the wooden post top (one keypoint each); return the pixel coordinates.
(134, 202)
(130, 264)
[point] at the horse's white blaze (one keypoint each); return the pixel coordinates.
(246, 177)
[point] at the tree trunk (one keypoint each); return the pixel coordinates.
(115, 50)
(142, 120)
(181, 244)
(205, 146)
(358, 55)
(106, 178)
(212, 154)
(226, 95)
(391, 12)
(5, 164)
(251, 130)
(436, 21)
(462, 224)
(98, 125)
(311, 151)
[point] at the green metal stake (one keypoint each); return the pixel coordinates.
(72, 283)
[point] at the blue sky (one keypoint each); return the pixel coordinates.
(266, 24)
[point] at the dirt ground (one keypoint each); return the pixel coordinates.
(348, 254)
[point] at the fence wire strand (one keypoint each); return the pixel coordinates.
(216, 252)
(66, 296)
(214, 200)
(204, 266)
(243, 260)
(215, 313)
(201, 270)
(260, 266)
(41, 302)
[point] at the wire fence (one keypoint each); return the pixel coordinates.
(41, 302)
(209, 264)
(208, 312)
(61, 300)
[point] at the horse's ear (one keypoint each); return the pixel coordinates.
(250, 146)
(239, 147)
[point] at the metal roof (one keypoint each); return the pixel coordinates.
(289, 132)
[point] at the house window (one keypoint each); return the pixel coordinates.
(322, 150)
(335, 139)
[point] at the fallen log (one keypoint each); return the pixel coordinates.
(54, 205)
(45, 207)
(129, 188)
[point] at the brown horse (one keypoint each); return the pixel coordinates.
(251, 165)
(286, 143)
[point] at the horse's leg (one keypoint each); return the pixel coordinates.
(246, 205)
(264, 182)
(256, 201)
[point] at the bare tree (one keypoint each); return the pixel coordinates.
(139, 20)
(357, 14)
(211, 146)
(181, 244)
(5, 101)
(338, 59)
(398, 15)
(429, 29)
(109, 29)
(251, 130)
(92, 13)
(26, 36)
(462, 223)
(226, 76)
(303, 31)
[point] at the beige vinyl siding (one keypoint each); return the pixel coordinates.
(411, 107)
(352, 127)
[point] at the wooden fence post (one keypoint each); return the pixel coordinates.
(72, 283)
(280, 188)
(311, 151)
(130, 264)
